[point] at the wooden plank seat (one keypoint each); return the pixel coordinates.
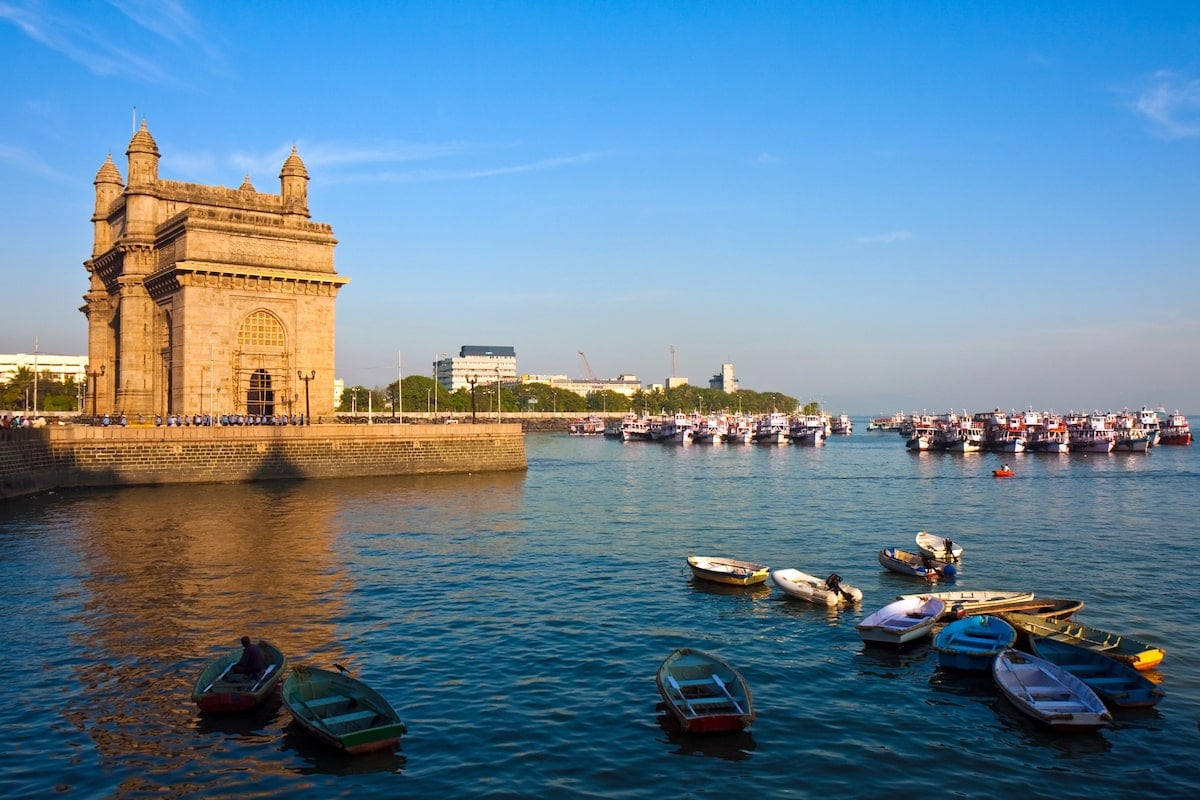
(353, 716)
(323, 702)
(705, 701)
(695, 682)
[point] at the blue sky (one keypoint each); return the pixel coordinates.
(876, 205)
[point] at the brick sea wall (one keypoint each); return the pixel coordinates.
(35, 460)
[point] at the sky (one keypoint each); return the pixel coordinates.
(879, 206)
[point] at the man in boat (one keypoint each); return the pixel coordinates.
(252, 662)
(948, 544)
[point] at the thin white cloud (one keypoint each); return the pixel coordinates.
(83, 39)
(1171, 103)
(24, 161)
(439, 175)
(886, 238)
(767, 159)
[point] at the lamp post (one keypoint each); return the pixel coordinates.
(497, 394)
(94, 377)
(306, 379)
(472, 380)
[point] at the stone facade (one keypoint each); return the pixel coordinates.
(205, 299)
(33, 461)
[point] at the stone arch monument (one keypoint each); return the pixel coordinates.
(205, 299)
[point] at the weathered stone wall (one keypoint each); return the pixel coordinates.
(34, 460)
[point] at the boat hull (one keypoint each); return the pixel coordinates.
(901, 621)
(1117, 684)
(704, 693)
(727, 570)
(1132, 652)
(803, 586)
(1048, 694)
(915, 566)
(972, 643)
(341, 712)
(220, 691)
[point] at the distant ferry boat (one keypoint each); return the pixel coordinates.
(588, 426)
(892, 423)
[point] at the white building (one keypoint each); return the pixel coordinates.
(480, 363)
(60, 368)
(627, 385)
(724, 380)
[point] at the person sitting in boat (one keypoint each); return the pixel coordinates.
(834, 582)
(252, 662)
(1004, 468)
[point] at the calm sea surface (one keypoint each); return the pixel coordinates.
(516, 622)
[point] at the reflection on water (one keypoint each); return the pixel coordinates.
(735, 746)
(317, 759)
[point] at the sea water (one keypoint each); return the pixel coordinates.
(516, 621)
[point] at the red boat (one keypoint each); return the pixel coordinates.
(1003, 472)
(1176, 430)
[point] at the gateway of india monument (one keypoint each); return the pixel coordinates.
(205, 299)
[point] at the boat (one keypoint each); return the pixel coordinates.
(341, 711)
(727, 570)
(1133, 652)
(1003, 472)
(220, 690)
(771, 428)
(1052, 436)
(1175, 430)
(704, 693)
(941, 548)
(828, 592)
(1048, 693)
(967, 603)
(1091, 434)
(972, 642)
(901, 621)
(842, 425)
(1118, 685)
(590, 425)
(907, 563)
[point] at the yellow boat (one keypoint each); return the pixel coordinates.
(727, 570)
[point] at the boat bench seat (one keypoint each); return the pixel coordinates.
(1043, 696)
(696, 682)
(705, 701)
(353, 716)
(322, 702)
(1107, 681)
(1062, 705)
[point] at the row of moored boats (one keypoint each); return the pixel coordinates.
(776, 427)
(1040, 431)
(1068, 675)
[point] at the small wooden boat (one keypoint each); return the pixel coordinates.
(727, 570)
(220, 690)
(968, 603)
(1048, 693)
(704, 693)
(1133, 652)
(907, 563)
(341, 711)
(828, 592)
(1118, 685)
(972, 642)
(1004, 472)
(901, 621)
(943, 549)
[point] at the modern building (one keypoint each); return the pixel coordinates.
(476, 364)
(59, 368)
(627, 385)
(724, 379)
(206, 298)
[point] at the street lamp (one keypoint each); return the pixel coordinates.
(306, 379)
(94, 377)
(472, 380)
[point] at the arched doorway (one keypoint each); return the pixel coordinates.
(261, 364)
(260, 399)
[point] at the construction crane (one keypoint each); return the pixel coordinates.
(672, 361)
(587, 369)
